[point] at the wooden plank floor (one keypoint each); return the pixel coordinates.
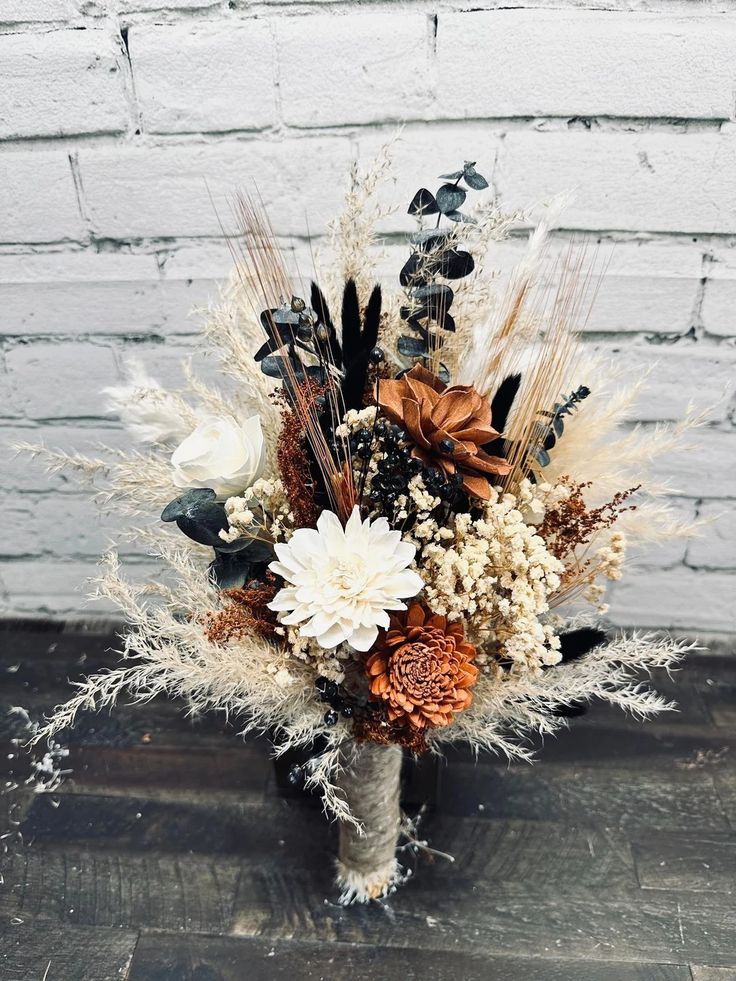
(169, 854)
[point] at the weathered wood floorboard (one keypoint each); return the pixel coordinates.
(161, 957)
(169, 855)
(35, 949)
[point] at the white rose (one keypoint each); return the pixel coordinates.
(221, 453)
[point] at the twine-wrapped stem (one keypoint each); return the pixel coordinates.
(371, 784)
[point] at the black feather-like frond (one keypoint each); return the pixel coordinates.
(372, 320)
(577, 643)
(501, 405)
(503, 400)
(350, 322)
(358, 340)
(320, 307)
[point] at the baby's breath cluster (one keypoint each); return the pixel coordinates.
(264, 502)
(493, 572)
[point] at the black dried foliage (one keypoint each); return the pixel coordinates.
(576, 643)
(549, 434)
(201, 517)
(434, 256)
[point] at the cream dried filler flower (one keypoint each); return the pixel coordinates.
(341, 581)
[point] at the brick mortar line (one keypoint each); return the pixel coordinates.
(542, 125)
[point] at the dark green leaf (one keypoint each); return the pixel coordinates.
(459, 216)
(263, 351)
(201, 517)
(450, 198)
(273, 366)
(411, 347)
(475, 180)
(423, 203)
(454, 264)
(409, 270)
(188, 503)
(472, 177)
(233, 571)
(435, 297)
(428, 237)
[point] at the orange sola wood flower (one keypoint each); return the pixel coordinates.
(449, 426)
(421, 667)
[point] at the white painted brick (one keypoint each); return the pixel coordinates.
(20, 473)
(60, 83)
(52, 523)
(419, 154)
(718, 312)
(29, 11)
(195, 274)
(681, 599)
(60, 381)
(165, 362)
(645, 286)
(715, 547)
(648, 181)
(81, 293)
(585, 63)
(679, 375)
(167, 7)
(38, 201)
(163, 192)
(662, 555)
(705, 467)
(56, 586)
(205, 77)
(354, 68)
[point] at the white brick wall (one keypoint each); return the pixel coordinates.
(118, 118)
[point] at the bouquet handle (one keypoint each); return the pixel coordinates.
(370, 782)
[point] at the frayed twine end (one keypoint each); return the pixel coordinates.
(362, 887)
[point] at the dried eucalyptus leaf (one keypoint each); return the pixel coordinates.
(450, 198)
(431, 238)
(423, 203)
(475, 180)
(273, 366)
(263, 351)
(409, 270)
(454, 264)
(459, 216)
(455, 176)
(434, 295)
(188, 503)
(412, 347)
(448, 322)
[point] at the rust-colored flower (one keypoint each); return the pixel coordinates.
(421, 667)
(448, 426)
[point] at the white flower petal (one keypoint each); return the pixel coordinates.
(341, 581)
(363, 638)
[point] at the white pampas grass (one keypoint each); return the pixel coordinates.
(149, 413)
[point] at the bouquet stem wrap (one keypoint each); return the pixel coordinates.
(370, 781)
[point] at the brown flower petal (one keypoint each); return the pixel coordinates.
(433, 414)
(426, 669)
(412, 422)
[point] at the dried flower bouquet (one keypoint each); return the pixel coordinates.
(392, 529)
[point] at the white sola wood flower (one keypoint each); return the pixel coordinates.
(222, 453)
(341, 581)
